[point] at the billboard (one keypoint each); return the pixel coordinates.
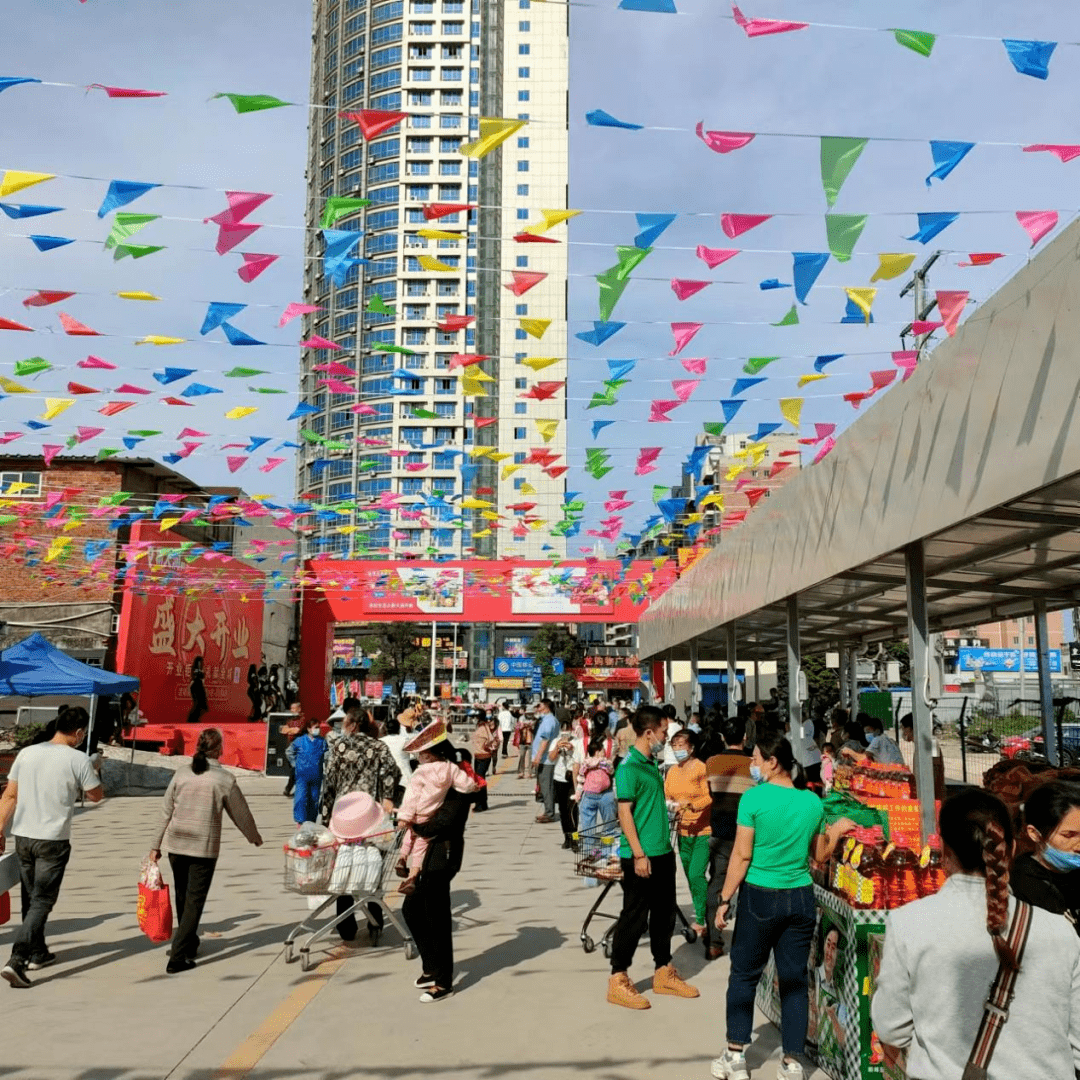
(973, 659)
(417, 590)
(559, 590)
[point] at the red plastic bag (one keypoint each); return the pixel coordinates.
(155, 913)
(5, 908)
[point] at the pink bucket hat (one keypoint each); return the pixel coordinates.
(356, 816)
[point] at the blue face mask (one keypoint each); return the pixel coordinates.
(1065, 861)
(681, 755)
(755, 774)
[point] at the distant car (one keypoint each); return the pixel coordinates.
(1031, 742)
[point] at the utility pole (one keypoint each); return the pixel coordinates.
(917, 284)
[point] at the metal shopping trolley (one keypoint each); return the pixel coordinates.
(598, 857)
(363, 870)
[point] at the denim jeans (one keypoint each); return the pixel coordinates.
(780, 921)
(41, 866)
(596, 808)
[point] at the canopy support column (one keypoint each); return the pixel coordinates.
(732, 673)
(1046, 689)
(794, 662)
(919, 645)
(845, 692)
(853, 681)
(695, 689)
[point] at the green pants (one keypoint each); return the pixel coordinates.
(694, 852)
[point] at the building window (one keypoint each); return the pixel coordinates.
(421, 29)
(453, 28)
(523, 166)
(521, 309)
(523, 72)
(418, 74)
(420, 52)
(32, 480)
(420, 98)
(520, 408)
(389, 102)
(419, 192)
(449, 122)
(522, 214)
(523, 190)
(445, 410)
(451, 74)
(420, 122)
(520, 335)
(449, 168)
(385, 79)
(523, 142)
(521, 261)
(523, 50)
(519, 433)
(521, 384)
(448, 144)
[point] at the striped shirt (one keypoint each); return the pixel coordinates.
(191, 813)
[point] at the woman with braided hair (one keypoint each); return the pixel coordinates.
(943, 952)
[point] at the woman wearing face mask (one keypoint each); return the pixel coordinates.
(779, 823)
(687, 787)
(1050, 876)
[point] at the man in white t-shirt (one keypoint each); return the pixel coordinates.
(44, 783)
(506, 724)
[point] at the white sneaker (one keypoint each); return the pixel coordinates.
(789, 1070)
(731, 1065)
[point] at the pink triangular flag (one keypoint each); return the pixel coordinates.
(880, 379)
(713, 257)
(271, 463)
(723, 142)
(1037, 223)
(49, 451)
(658, 410)
(191, 433)
(683, 288)
(337, 386)
(906, 362)
(334, 368)
(684, 333)
(316, 342)
(294, 310)
(236, 461)
(1062, 151)
(736, 224)
(11, 436)
(821, 431)
(857, 397)
(96, 362)
(646, 456)
(127, 388)
(759, 27)
(124, 91)
(695, 367)
(85, 433)
(982, 258)
(951, 305)
(826, 446)
(75, 328)
(231, 234)
(684, 388)
(188, 448)
(254, 265)
(241, 203)
(364, 409)
(925, 326)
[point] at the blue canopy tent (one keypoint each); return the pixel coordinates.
(35, 667)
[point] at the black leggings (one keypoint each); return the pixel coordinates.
(567, 809)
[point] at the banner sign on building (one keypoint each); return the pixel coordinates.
(972, 659)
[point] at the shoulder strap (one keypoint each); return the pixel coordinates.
(996, 1006)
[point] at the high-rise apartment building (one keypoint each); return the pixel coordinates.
(389, 455)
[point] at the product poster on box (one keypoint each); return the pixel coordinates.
(421, 590)
(559, 591)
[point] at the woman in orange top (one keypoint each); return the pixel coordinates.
(687, 788)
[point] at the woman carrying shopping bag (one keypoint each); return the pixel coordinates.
(191, 831)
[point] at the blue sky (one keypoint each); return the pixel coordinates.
(658, 70)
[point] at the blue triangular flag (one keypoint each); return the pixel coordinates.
(764, 430)
(1030, 57)
(671, 508)
(47, 243)
(821, 361)
(651, 226)
(256, 442)
(171, 374)
(36, 425)
(199, 390)
(664, 7)
(217, 313)
(8, 81)
(854, 314)
(772, 283)
(302, 409)
(130, 441)
(932, 224)
(25, 210)
(599, 118)
(806, 266)
(122, 192)
(172, 459)
(947, 155)
(620, 368)
(695, 462)
(238, 337)
(732, 405)
(600, 332)
(742, 385)
(599, 425)
(339, 247)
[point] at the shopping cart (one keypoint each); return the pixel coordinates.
(363, 870)
(598, 858)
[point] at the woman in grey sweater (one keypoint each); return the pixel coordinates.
(191, 830)
(943, 952)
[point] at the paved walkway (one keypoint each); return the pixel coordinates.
(530, 1002)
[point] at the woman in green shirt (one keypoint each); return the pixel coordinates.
(779, 823)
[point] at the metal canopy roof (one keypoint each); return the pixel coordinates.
(977, 455)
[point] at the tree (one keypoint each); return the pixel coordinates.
(395, 656)
(555, 641)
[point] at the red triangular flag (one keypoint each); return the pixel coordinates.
(75, 328)
(374, 122)
(452, 323)
(532, 238)
(7, 324)
(236, 461)
(485, 421)
(523, 281)
(433, 211)
(174, 401)
(254, 265)
(78, 388)
(114, 407)
(44, 297)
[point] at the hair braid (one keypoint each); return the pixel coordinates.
(996, 859)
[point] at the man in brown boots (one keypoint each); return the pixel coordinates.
(648, 867)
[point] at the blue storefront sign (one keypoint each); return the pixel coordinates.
(537, 682)
(971, 659)
(514, 667)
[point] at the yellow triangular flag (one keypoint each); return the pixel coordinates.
(539, 362)
(890, 266)
(791, 410)
(509, 470)
(160, 339)
(56, 547)
(482, 451)
(15, 181)
(547, 429)
(535, 327)
(54, 406)
(497, 456)
(493, 131)
(438, 234)
(536, 525)
(345, 530)
(489, 515)
(240, 412)
(432, 264)
(482, 532)
(734, 471)
(475, 373)
(527, 489)
(713, 499)
(551, 219)
(472, 503)
(167, 523)
(863, 299)
(137, 296)
(9, 386)
(806, 379)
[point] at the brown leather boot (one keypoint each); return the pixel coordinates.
(621, 991)
(667, 981)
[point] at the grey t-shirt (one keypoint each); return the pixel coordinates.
(51, 776)
(885, 751)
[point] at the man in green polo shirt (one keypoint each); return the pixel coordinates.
(648, 866)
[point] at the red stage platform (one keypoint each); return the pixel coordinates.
(245, 744)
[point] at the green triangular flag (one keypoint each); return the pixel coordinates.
(32, 366)
(920, 41)
(758, 363)
(393, 348)
(245, 103)
(243, 373)
(790, 319)
(838, 157)
(378, 306)
(126, 225)
(629, 259)
(843, 232)
(145, 434)
(599, 474)
(339, 206)
(425, 414)
(266, 390)
(106, 452)
(598, 399)
(611, 289)
(660, 491)
(713, 427)
(311, 436)
(136, 251)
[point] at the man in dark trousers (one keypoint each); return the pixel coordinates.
(648, 867)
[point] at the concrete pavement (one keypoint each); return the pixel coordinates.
(530, 1002)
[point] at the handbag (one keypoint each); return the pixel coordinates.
(996, 1010)
(154, 908)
